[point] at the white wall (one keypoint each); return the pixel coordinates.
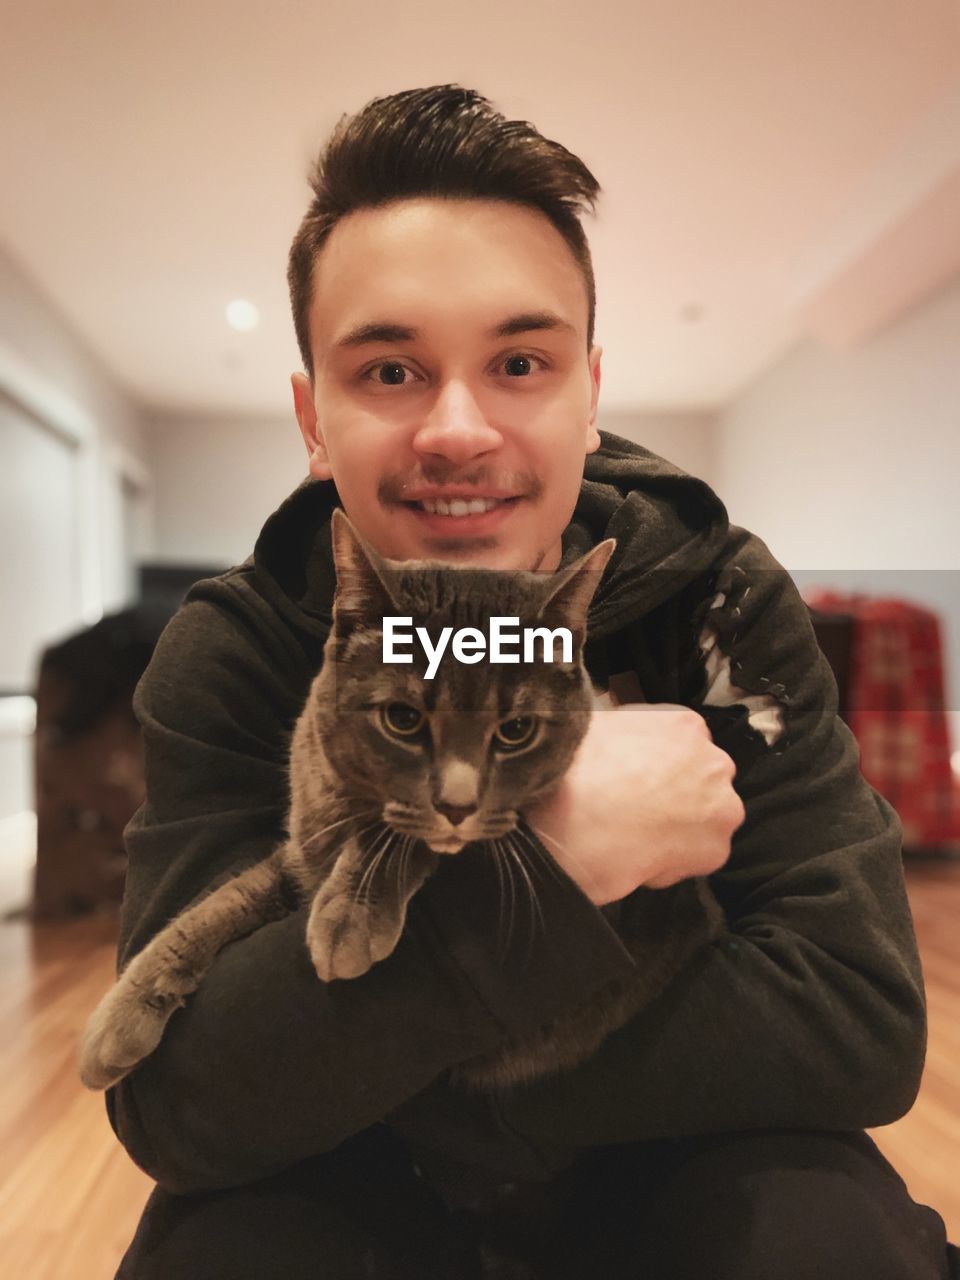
(41, 354)
(57, 400)
(31, 325)
(847, 464)
(687, 439)
(217, 480)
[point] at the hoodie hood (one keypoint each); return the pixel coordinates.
(669, 528)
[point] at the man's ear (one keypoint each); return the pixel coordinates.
(306, 411)
(593, 441)
(363, 596)
(569, 592)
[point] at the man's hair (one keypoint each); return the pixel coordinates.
(443, 141)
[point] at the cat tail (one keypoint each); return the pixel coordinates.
(129, 1021)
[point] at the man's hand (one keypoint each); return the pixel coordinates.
(648, 800)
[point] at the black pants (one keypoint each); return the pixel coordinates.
(770, 1206)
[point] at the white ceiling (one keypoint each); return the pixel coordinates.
(776, 165)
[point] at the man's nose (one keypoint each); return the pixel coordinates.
(455, 427)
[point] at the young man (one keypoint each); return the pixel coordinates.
(444, 305)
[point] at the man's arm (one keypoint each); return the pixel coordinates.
(267, 1065)
(809, 1011)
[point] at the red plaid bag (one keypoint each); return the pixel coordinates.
(897, 710)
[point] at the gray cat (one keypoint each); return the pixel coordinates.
(389, 772)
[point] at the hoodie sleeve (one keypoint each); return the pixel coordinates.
(809, 1011)
(267, 1065)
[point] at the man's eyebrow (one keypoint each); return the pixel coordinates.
(382, 331)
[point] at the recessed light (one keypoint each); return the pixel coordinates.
(242, 315)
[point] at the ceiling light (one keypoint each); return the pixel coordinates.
(242, 315)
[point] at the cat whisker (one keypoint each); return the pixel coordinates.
(545, 836)
(503, 820)
(363, 830)
(374, 863)
(408, 845)
(509, 879)
(306, 844)
(496, 862)
(542, 856)
(533, 864)
(490, 830)
(403, 816)
(362, 898)
(534, 902)
(563, 849)
(401, 862)
(402, 828)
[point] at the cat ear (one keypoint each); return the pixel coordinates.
(362, 593)
(571, 590)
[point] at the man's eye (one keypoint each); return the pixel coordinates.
(390, 373)
(522, 365)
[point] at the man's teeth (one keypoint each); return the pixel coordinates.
(459, 506)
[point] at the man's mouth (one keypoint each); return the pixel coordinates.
(457, 508)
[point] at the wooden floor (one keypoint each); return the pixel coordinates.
(70, 1198)
(924, 1146)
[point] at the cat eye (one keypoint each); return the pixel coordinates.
(511, 734)
(402, 719)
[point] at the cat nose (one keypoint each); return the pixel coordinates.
(455, 812)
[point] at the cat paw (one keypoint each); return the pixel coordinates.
(345, 945)
(120, 1033)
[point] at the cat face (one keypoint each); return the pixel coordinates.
(452, 759)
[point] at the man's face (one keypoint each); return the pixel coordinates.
(416, 396)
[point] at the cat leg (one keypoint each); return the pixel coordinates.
(129, 1021)
(352, 926)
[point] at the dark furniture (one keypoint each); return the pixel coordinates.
(88, 758)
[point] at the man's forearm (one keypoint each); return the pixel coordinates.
(267, 1065)
(762, 1032)
(759, 1032)
(808, 1013)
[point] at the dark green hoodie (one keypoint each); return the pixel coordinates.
(807, 1013)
